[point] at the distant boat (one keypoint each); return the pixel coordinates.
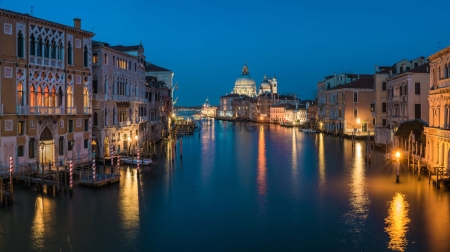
(308, 130)
(133, 161)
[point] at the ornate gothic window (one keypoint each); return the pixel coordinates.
(39, 96)
(46, 97)
(20, 94)
(47, 49)
(69, 97)
(39, 49)
(53, 98)
(60, 51)
(20, 47)
(32, 45)
(69, 54)
(32, 96)
(86, 98)
(53, 55)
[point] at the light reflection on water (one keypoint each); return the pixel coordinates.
(359, 201)
(38, 227)
(129, 205)
(261, 179)
(397, 223)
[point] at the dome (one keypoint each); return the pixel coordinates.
(245, 80)
(265, 84)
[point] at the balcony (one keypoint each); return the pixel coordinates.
(395, 99)
(404, 98)
(124, 123)
(87, 110)
(72, 110)
(142, 119)
(34, 60)
(27, 110)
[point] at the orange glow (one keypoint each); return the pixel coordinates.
(262, 165)
(397, 223)
(129, 204)
(397, 154)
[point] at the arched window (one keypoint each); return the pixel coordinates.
(85, 56)
(355, 112)
(86, 98)
(69, 97)
(53, 98)
(106, 117)
(53, 49)
(32, 45)
(39, 49)
(69, 54)
(32, 96)
(20, 94)
(39, 96)
(95, 119)
(47, 49)
(355, 97)
(114, 116)
(61, 51)
(60, 97)
(20, 47)
(46, 97)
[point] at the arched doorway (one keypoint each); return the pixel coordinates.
(46, 147)
(106, 147)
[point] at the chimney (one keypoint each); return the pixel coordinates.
(376, 68)
(390, 72)
(77, 23)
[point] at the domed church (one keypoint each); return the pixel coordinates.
(245, 84)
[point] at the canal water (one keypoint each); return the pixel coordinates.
(246, 187)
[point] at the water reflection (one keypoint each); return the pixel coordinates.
(397, 223)
(262, 165)
(129, 205)
(43, 207)
(321, 158)
(356, 217)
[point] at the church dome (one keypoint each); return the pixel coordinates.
(245, 79)
(265, 84)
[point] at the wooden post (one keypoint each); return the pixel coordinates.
(1, 189)
(57, 177)
(181, 148)
(65, 177)
(11, 186)
(71, 176)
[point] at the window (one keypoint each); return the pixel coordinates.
(95, 119)
(20, 47)
(69, 146)
(95, 58)
(61, 145)
(69, 54)
(355, 112)
(355, 97)
(47, 49)
(94, 86)
(20, 100)
(31, 147)
(85, 143)
(70, 125)
(383, 86)
(20, 128)
(32, 45)
(86, 124)
(105, 60)
(114, 60)
(417, 88)
(20, 151)
(417, 111)
(53, 51)
(39, 49)
(383, 107)
(85, 57)
(384, 122)
(373, 121)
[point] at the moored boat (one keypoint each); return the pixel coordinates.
(133, 161)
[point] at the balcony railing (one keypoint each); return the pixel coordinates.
(87, 110)
(27, 110)
(72, 110)
(125, 123)
(46, 62)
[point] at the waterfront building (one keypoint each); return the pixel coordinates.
(119, 102)
(296, 113)
(323, 97)
(268, 85)
(312, 115)
(438, 132)
(160, 97)
(347, 107)
(45, 90)
(225, 107)
(243, 107)
(414, 82)
(208, 110)
(245, 84)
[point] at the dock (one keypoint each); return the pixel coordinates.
(100, 180)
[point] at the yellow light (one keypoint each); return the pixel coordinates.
(260, 118)
(359, 121)
(129, 138)
(397, 154)
(136, 137)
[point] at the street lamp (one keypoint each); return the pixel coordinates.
(42, 145)
(397, 154)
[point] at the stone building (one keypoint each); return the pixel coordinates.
(438, 132)
(245, 84)
(45, 90)
(119, 104)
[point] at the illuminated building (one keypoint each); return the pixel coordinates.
(119, 103)
(437, 133)
(384, 108)
(45, 91)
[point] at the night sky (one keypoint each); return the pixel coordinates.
(207, 42)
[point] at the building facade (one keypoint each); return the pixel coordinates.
(47, 66)
(119, 104)
(438, 132)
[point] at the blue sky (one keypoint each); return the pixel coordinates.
(207, 42)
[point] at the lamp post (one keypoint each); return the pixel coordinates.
(42, 145)
(397, 154)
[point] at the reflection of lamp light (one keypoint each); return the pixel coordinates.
(397, 154)
(136, 138)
